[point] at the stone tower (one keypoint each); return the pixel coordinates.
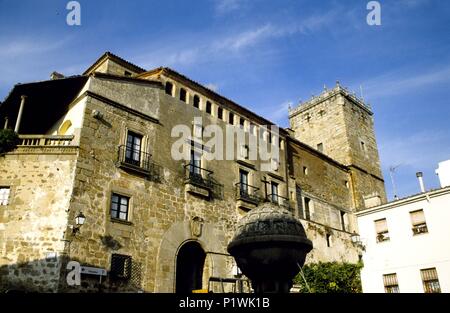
(340, 125)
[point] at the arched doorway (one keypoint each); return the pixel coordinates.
(189, 270)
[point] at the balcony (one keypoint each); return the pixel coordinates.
(247, 196)
(44, 140)
(198, 180)
(46, 144)
(383, 236)
(280, 201)
(139, 162)
(420, 229)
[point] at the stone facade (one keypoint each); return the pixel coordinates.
(342, 126)
(33, 223)
(167, 209)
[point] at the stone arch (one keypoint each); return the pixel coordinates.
(190, 266)
(66, 128)
(212, 240)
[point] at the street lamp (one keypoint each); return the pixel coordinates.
(356, 238)
(79, 221)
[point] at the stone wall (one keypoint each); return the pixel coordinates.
(339, 247)
(345, 128)
(161, 212)
(32, 225)
(320, 176)
(165, 210)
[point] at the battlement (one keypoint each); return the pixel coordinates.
(327, 94)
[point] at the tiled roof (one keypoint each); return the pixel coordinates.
(213, 95)
(118, 60)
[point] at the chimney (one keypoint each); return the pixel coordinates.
(56, 75)
(420, 177)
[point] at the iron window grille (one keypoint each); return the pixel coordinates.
(430, 280)
(391, 283)
(121, 266)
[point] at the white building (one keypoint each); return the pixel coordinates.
(407, 242)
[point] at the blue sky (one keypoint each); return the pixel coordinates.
(264, 55)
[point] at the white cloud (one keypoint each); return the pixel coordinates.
(23, 47)
(247, 38)
(213, 87)
(395, 83)
(420, 151)
(415, 150)
(226, 6)
(413, 3)
(226, 46)
(278, 113)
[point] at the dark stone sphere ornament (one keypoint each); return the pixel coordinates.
(270, 246)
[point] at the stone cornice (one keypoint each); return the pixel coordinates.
(60, 150)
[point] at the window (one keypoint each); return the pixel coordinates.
(220, 113)
(4, 195)
(382, 230)
(243, 151)
(363, 146)
(126, 73)
(274, 192)
(343, 217)
(328, 237)
(120, 206)
(430, 280)
(208, 107)
(298, 195)
(419, 225)
(231, 118)
(390, 283)
(241, 122)
(275, 164)
(133, 148)
(195, 163)
(169, 88)
(305, 170)
(270, 137)
(252, 129)
(196, 102)
(346, 184)
(320, 147)
(197, 131)
(243, 180)
(307, 205)
(183, 95)
(120, 266)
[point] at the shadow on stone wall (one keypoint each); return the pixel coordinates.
(50, 276)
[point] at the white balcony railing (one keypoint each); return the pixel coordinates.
(45, 140)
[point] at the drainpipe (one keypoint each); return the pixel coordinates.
(19, 116)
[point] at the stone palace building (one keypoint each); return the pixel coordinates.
(98, 146)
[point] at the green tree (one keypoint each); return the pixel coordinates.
(330, 277)
(8, 140)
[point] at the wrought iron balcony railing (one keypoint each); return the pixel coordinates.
(199, 176)
(139, 161)
(247, 193)
(279, 200)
